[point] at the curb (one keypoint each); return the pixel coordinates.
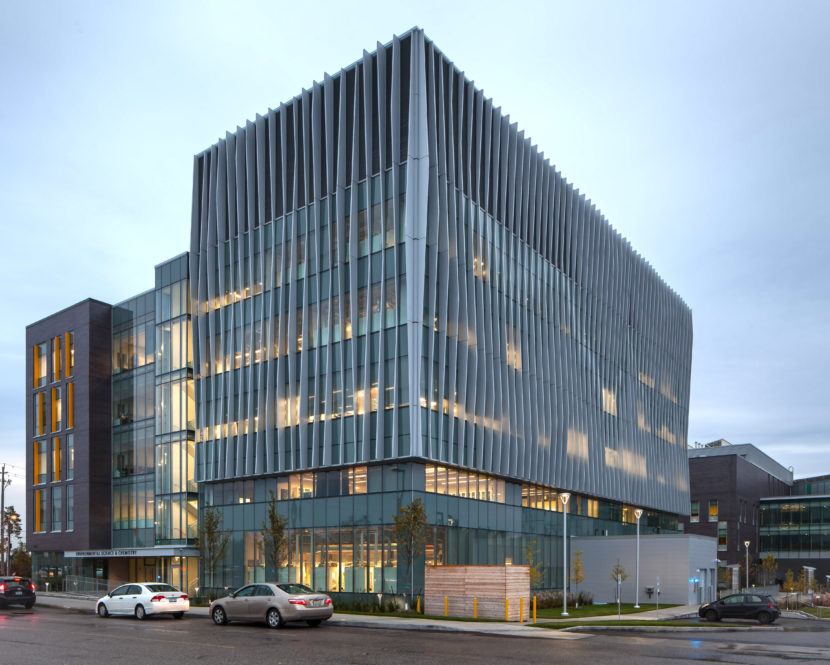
(673, 629)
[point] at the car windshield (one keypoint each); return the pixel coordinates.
(156, 588)
(295, 588)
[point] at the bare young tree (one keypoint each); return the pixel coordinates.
(537, 576)
(577, 573)
(769, 566)
(618, 574)
(411, 534)
(213, 541)
(273, 537)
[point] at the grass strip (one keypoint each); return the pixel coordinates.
(624, 622)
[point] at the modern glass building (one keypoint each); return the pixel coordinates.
(390, 294)
(395, 295)
(796, 529)
(111, 472)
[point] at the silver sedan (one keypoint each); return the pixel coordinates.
(273, 603)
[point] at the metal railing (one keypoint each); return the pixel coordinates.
(88, 586)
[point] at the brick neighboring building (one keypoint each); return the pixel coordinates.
(726, 483)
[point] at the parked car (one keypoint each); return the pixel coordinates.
(17, 591)
(273, 603)
(741, 606)
(144, 599)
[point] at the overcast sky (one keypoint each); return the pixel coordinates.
(700, 129)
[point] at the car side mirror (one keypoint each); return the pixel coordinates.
(110, 594)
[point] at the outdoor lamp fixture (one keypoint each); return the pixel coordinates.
(746, 545)
(564, 497)
(638, 513)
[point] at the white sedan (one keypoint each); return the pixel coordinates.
(142, 600)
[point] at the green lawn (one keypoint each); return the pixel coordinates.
(624, 622)
(595, 610)
(821, 612)
(410, 615)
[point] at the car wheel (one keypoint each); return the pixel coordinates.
(764, 617)
(140, 612)
(711, 615)
(178, 615)
(314, 622)
(219, 616)
(273, 618)
(103, 612)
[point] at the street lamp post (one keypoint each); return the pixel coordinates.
(638, 513)
(564, 497)
(746, 545)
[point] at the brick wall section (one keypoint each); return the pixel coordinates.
(731, 479)
(489, 584)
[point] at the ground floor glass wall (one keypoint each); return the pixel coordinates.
(344, 542)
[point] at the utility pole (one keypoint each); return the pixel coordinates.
(3, 515)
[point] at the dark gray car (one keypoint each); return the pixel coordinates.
(273, 603)
(741, 606)
(17, 591)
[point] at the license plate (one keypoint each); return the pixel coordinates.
(316, 603)
(18, 592)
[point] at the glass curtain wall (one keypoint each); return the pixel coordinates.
(175, 488)
(133, 360)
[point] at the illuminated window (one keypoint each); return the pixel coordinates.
(430, 478)
(70, 456)
(39, 365)
(57, 460)
(695, 515)
(56, 409)
(713, 510)
(70, 405)
(609, 401)
(57, 359)
(69, 348)
(722, 536)
(577, 444)
(514, 348)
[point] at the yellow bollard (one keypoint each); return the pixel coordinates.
(522, 608)
(534, 609)
(475, 608)
(445, 606)
(507, 609)
(419, 605)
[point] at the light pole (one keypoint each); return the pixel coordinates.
(746, 545)
(638, 513)
(564, 497)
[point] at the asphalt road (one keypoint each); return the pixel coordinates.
(44, 635)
